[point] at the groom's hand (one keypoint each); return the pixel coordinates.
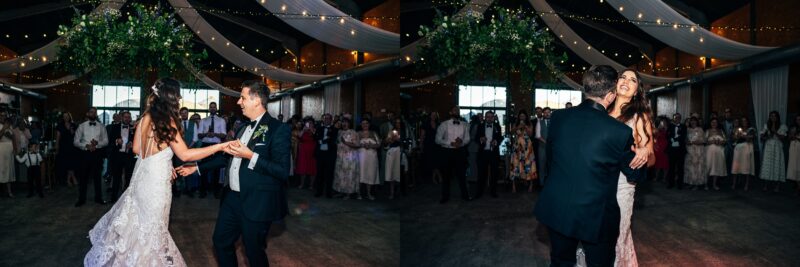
(186, 170)
(239, 150)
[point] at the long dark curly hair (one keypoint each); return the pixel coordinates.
(638, 107)
(163, 107)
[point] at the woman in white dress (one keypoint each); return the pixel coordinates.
(715, 153)
(773, 167)
(345, 178)
(369, 144)
(6, 153)
(631, 107)
(744, 161)
(695, 151)
(793, 170)
(135, 231)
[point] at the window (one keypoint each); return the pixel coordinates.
(110, 99)
(556, 99)
(196, 100)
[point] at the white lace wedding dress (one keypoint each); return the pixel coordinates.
(625, 252)
(135, 231)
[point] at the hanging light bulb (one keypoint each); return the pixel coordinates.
(322, 18)
(341, 21)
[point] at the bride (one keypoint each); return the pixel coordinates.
(135, 231)
(632, 108)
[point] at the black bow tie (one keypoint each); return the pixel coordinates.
(252, 123)
(488, 126)
(456, 122)
(124, 126)
(92, 124)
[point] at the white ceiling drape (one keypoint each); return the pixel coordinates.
(337, 28)
(43, 85)
(569, 82)
(46, 54)
(581, 47)
(770, 90)
(679, 32)
(232, 52)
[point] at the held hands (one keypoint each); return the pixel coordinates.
(237, 149)
(640, 159)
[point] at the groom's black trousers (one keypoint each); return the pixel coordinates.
(602, 253)
(231, 224)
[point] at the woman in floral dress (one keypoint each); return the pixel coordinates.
(345, 179)
(523, 160)
(695, 150)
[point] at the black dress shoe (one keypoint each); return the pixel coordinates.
(79, 203)
(442, 201)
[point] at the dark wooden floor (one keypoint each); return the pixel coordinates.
(672, 228)
(320, 232)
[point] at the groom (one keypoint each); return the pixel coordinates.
(255, 191)
(587, 150)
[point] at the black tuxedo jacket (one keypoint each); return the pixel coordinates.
(333, 134)
(115, 132)
(263, 189)
(496, 136)
(681, 138)
(587, 150)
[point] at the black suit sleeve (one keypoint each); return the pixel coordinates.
(633, 175)
(215, 162)
(276, 164)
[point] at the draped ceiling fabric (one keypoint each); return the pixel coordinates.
(332, 104)
(581, 47)
(43, 85)
(46, 54)
(231, 51)
(210, 82)
(683, 101)
(770, 90)
(569, 82)
(691, 39)
(352, 34)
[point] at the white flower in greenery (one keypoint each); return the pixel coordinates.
(444, 24)
(445, 18)
(82, 24)
(420, 33)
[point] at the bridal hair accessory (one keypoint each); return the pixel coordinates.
(155, 90)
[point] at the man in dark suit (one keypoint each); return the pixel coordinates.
(190, 138)
(121, 159)
(588, 149)
(489, 137)
(255, 191)
(325, 136)
(676, 151)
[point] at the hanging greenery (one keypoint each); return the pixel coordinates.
(111, 46)
(477, 47)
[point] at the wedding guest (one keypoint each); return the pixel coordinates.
(715, 166)
(542, 129)
(676, 151)
(431, 151)
(568, 105)
(384, 129)
(36, 132)
(22, 137)
(306, 163)
(90, 138)
(453, 136)
(181, 184)
(473, 147)
(729, 124)
(325, 137)
(345, 179)
(744, 162)
(537, 114)
(695, 140)
(32, 161)
(121, 157)
(793, 170)
(660, 149)
(772, 164)
(297, 127)
(394, 152)
(523, 159)
(7, 149)
(369, 143)
(489, 137)
(67, 154)
(212, 131)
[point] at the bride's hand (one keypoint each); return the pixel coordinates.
(640, 159)
(226, 145)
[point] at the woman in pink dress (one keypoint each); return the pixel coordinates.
(306, 163)
(660, 149)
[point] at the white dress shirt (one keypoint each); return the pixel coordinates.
(123, 133)
(448, 131)
(86, 132)
(236, 162)
(30, 159)
(219, 127)
(489, 134)
(539, 126)
(324, 147)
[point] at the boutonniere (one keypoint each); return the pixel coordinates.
(260, 132)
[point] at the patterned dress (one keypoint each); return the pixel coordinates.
(772, 165)
(523, 160)
(368, 160)
(793, 171)
(346, 175)
(693, 168)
